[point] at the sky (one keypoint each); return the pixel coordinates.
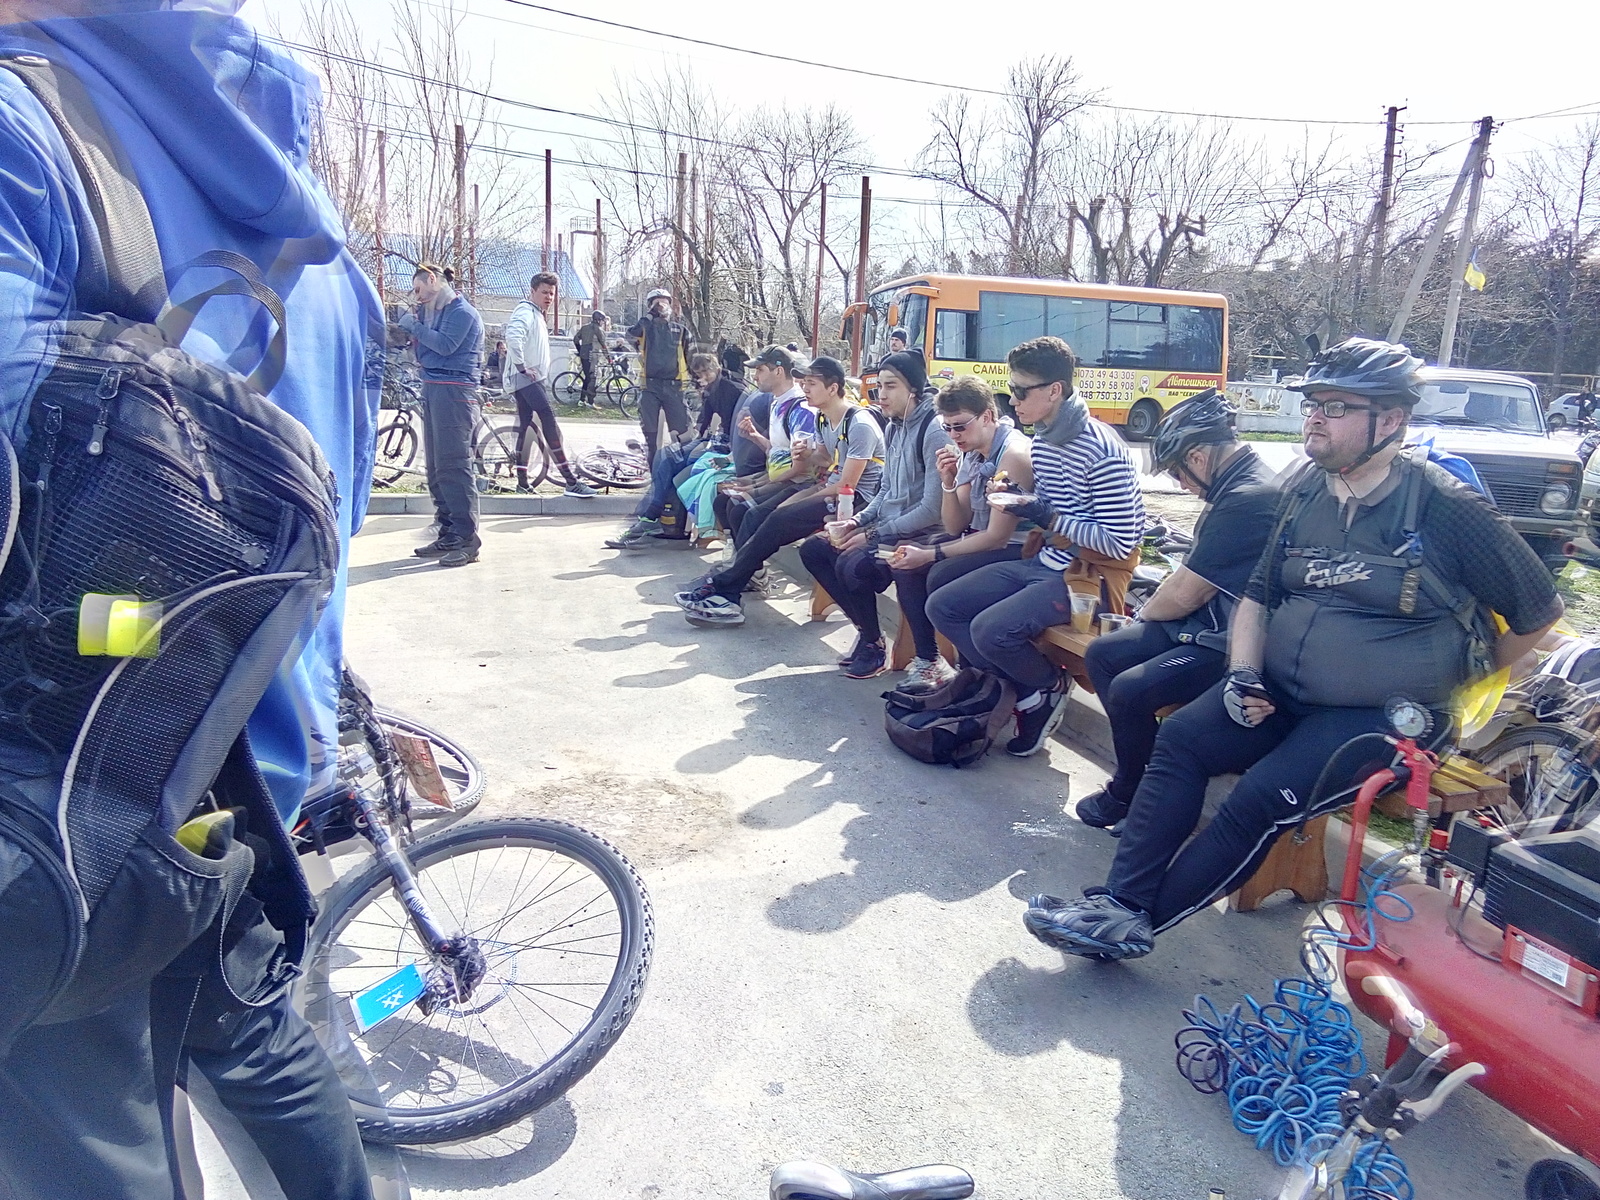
(1447, 63)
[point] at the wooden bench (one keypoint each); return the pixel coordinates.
(903, 649)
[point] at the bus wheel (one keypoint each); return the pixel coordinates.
(1143, 418)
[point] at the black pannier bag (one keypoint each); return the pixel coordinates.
(954, 724)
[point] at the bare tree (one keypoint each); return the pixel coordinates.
(1008, 159)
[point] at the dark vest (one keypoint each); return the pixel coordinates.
(1362, 616)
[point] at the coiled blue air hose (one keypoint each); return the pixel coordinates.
(1283, 1065)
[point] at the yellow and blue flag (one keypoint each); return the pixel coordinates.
(1474, 275)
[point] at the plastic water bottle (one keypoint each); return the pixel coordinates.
(847, 504)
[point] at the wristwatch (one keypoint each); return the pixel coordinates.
(938, 552)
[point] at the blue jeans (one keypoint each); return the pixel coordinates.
(664, 471)
(993, 615)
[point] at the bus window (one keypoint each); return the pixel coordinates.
(1006, 320)
(1081, 324)
(914, 317)
(1137, 335)
(1195, 339)
(954, 334)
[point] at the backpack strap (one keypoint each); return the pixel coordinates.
(1298, 493)
(119, 269)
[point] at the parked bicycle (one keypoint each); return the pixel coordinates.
(615, 383)
(494, 450)
(463, 979)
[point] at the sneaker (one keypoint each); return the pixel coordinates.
(714, 610)
(924, 675)
(870, 661)
(580, 490)
(1035, 726)
(634, 535)
(700, 589)
(760, 583)
(524, 486)
(460, 557)
(1101, 809)
(1095, 927)
(437, 548)
(846, 659)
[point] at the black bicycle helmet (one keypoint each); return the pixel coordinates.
(1365, 367)
(1204, 419)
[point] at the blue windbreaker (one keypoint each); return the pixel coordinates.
(216, 124)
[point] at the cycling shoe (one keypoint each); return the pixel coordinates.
(819, 1181)
(1101, 809)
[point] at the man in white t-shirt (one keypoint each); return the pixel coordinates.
(527, 377)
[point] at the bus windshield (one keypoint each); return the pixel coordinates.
(1499, 405)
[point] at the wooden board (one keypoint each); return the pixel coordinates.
(1459, 785)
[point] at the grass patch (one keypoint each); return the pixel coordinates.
(1580, 589)
(1387, 829)
(1265, 436)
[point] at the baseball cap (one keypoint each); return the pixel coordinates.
(777, 356)
(829, 369)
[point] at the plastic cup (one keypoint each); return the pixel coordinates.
(1111, 622)
(1083, 612)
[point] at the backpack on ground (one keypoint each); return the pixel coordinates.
(954, 724)
(155, 481)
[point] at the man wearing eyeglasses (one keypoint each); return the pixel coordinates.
(1377, 583)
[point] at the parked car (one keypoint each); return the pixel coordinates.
(1494, 421)
(1564, 412)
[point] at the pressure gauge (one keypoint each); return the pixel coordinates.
(1408, 718)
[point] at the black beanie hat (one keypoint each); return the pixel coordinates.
(909, 365)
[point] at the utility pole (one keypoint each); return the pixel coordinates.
(549, 210)
(1380, 220)
(555, 305)
(677, 226)
(379, 217)
(1436, 239)
(599, 260)
(861, 274)
(472, 249)
(816, 294)
(461, 196)
(1469, 224)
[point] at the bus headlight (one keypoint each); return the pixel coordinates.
(1557, 498)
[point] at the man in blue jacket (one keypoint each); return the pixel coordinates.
(448, 333)
(215, 124)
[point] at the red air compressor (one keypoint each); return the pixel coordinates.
(1514, 986)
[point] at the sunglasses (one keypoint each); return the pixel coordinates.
(1021, 391)
(1332, 409)
(959, 428)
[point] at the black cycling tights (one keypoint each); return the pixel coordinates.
(1280, 760)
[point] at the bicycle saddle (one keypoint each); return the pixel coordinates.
(819, 1181)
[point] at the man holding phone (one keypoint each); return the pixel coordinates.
(1375, 583)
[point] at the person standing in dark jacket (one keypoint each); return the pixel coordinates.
(664, 349)
(448, 334)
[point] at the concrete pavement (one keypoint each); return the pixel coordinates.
(840, 968)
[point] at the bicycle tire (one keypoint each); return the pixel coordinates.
(1559, 753)
(394, 450)
(567, 388)
(624, 393)
(462, 772)
(383, 1122)
(614, 468)
(494, 459)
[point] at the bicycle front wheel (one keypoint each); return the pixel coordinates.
(567, 388)
(394, 452)
(566, 930)
(1548, 771)
(494, 459)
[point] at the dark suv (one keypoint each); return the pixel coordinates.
(1495, 422)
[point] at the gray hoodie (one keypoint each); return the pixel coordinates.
(908, 504)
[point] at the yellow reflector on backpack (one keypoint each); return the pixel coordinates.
(118, 626)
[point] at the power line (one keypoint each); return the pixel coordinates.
(958, 87)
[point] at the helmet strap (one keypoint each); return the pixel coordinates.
(1373, 448)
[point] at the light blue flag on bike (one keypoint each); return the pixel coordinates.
(382, 1000)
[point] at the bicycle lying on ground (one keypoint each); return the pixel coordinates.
(463, 979)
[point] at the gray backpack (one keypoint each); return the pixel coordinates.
(953, 725)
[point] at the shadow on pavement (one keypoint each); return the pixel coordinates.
(519, 1152)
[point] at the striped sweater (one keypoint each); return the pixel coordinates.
(1092, 485)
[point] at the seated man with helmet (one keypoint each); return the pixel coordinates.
(1178, 647)
(1377, 581)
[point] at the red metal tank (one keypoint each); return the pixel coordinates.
(1542, 1052)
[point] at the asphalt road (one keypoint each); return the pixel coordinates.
(840, 968)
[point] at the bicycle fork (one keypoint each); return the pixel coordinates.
(458, 963)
